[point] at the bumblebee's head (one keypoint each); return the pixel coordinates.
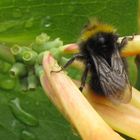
(102, 42)
(94, 27)
(100, 38)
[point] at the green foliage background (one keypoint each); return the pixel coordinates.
(21, 21)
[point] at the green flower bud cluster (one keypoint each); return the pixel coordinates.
(23, 64)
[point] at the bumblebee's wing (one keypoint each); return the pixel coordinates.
(113, 79)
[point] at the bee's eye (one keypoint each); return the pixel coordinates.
(101, 40)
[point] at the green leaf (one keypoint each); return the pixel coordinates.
(132, 70)
(20, 22)
(52, 125)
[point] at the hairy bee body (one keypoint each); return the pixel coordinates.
(100, 49)
(100, 52)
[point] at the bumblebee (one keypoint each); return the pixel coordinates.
(100, 52)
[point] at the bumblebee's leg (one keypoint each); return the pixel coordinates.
(125, 41)
(76, 56)
(84, 77)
